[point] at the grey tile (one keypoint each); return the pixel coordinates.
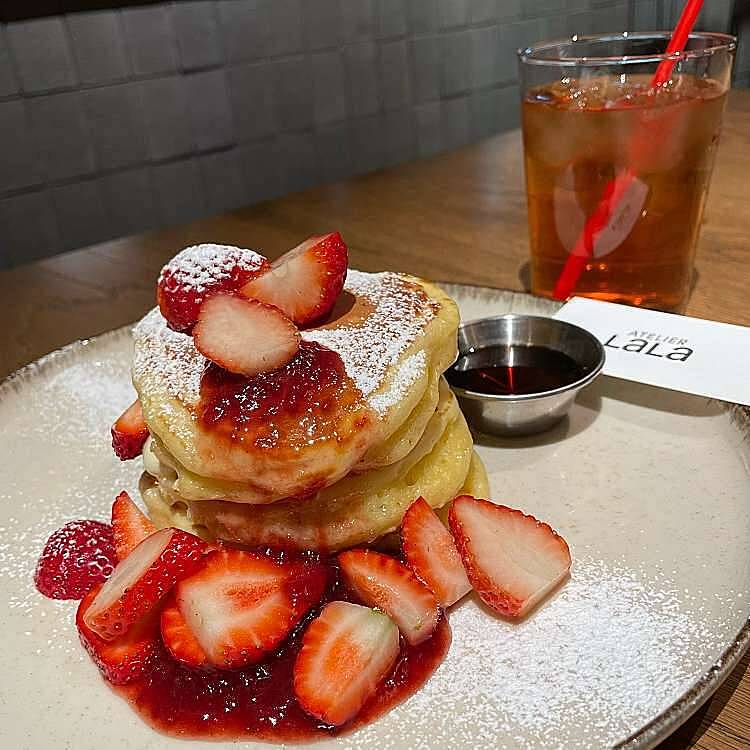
(298, 161)
(423, 16)
(513, 36)
(43, 58)
(179, 192)
(98, 46)
(62, 141)
(581, 4)
(210, 111)
(366, 143)
(555, 27)
(394, 75)
(429, 129)
(717, 15)
(645, 14)
(130, 201)
(742, 62)
(293, 93)
(510, 107)
(17, 163)
(197, 33)
(456, 62)
(453, 13)
(361, 63)
(533, 8)
(494, 111)
(455, 118)
(399, 137)
(29, 228)
(251, 91)
(224, 181)
(261, 171)
(244, 29)
(426, 57)
(581, 23)
(357, 19)
(391, 18)
(484, 11)
(150, 41)
(8, 82)
(329, 87)
(285, 22)
(333, 152)
(167, 114)
(485, 56)
(322, 20)
(81, 216)
(486, 115)
(115, 118)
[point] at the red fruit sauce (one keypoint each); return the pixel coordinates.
(258, 702)
(75, 558)
(300, 403)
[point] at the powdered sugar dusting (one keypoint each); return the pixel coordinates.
(612, 649)
(370, 347)
(200, 266)
(168, 360)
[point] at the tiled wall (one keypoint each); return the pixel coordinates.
(115, 122)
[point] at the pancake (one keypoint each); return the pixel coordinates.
(290, 433)
(357, 510)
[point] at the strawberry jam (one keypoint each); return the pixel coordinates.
(75, 558)
(297, 405)
(258, 702)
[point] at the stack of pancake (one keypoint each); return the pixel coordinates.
(321, 475)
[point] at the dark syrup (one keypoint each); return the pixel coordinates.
(514, 370)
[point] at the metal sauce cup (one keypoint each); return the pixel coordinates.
(528, 413)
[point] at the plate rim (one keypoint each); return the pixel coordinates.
(645, 737)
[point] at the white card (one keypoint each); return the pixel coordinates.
(670, 351)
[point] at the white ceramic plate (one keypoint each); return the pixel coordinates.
(650, 488)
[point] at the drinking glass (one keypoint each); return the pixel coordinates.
(599, 138)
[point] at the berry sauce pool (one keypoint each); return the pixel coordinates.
(253, 703)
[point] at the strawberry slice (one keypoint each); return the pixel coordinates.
(382, 581)
(244, 336)
(127, 657)
(140, 580)
(431, 553)
(198, 272)
(512, 560)
(129, 432)
(179, 639)
(129, 525)
(241, 605)
(305, 282)
(347, 651)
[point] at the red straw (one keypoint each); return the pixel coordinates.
(616, 188)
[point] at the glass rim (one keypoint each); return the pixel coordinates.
(721, 42)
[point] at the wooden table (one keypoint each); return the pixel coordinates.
(457, 217)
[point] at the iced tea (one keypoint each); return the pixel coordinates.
(578, 135)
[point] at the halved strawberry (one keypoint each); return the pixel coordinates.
(140, 580)
(431, 553)
(512, 560)
(305, 282)
(244, 336)
(129, 524)
(129, 432)
(179, 639)
(241, 605)
(382, 581)
(347, 651)
(127, 657)
(196, 273)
